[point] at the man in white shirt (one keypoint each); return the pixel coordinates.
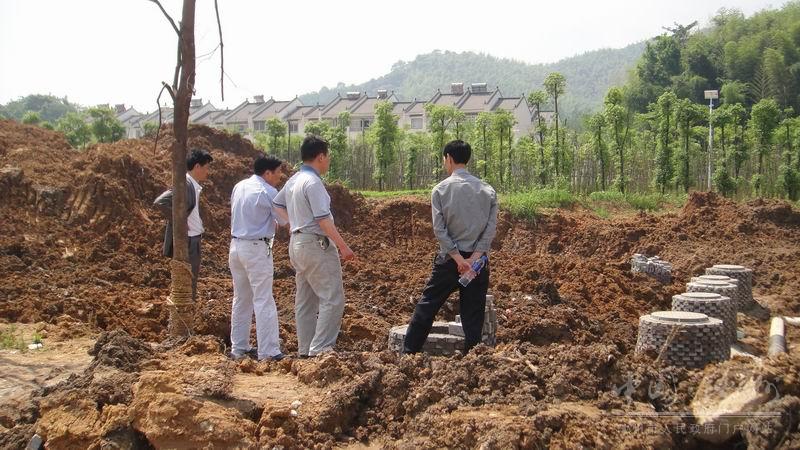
(250, 259)
(197, 166)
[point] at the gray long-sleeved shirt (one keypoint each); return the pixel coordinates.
(464, 212)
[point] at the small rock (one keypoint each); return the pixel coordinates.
(35, 443)
(296, 404)
(293, 413)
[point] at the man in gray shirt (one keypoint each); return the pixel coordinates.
(464, 210)
(314, 250)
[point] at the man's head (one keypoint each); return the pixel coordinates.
(456, 154)
(269, 168)
(314, 152)
(197, 164)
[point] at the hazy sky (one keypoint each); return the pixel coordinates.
(119, 51)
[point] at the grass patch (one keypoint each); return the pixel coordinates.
(602, 212)
(641, 202)
(390, 194)
(527, 204)
(11, 339)
(607, 196)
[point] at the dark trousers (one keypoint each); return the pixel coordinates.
(194, 260)
(443, 282)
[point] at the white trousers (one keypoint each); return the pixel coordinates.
(319, 299)
(252, 271)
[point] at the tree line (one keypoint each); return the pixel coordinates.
(651, 133)
(81, 128)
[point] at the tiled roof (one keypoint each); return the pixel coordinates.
(338, 105)
(207, 117)
(445, 99)
(399, 107)
(127, 114)
(508, 103)
(242, 112)
(366, 107)
(475, 102)
(416, 107)
(301, 112)
(166, 116)
(270, 109)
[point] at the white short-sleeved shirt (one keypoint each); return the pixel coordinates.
(251, 209)
(194, 221)
(306, 201)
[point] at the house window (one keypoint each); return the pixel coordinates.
(292, 126)
(416, 122)
(365, 123)
(241, 128)
(259, 126)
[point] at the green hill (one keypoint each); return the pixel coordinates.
(49, 107)
(589, 76)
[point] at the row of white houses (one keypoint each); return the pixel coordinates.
(251, 117)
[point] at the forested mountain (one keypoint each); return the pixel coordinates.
(48, 107)
(660, 114)
(588, 76)
(748, 58)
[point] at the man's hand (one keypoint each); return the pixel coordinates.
(463, 265)
(346, 253)
(333, 234)
(474, 257)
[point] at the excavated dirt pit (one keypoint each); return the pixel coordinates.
(79, 244)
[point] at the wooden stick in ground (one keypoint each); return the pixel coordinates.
(221, 54)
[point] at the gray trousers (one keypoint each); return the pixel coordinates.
(319, 298)
(194, 260)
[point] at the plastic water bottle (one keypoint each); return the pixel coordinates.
(473, 271)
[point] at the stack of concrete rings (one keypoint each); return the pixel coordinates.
(710, 304)
(684, 339)
(741, 273)
(737, 296)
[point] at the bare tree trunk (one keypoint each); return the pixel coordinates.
(182, 314)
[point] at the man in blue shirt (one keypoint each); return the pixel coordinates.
(314, 250)
(250, 259)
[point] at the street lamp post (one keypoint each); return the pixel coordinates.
(710, 95)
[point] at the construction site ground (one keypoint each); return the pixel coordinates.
(81, 267)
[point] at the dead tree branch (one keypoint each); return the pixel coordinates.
(177, 70)
(221, 54)
(172, 22)
(158, 105)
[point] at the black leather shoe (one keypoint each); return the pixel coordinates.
(278, 357)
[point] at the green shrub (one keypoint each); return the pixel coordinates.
(602, 212)
(389, 194)
(11, 339)
(526, 204)
(607, 196)
(646, 202)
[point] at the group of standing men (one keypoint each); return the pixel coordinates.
(464, 211)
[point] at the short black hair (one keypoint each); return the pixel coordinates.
(264, 163)
(459, 150)
(313, 146)
(198, 156)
